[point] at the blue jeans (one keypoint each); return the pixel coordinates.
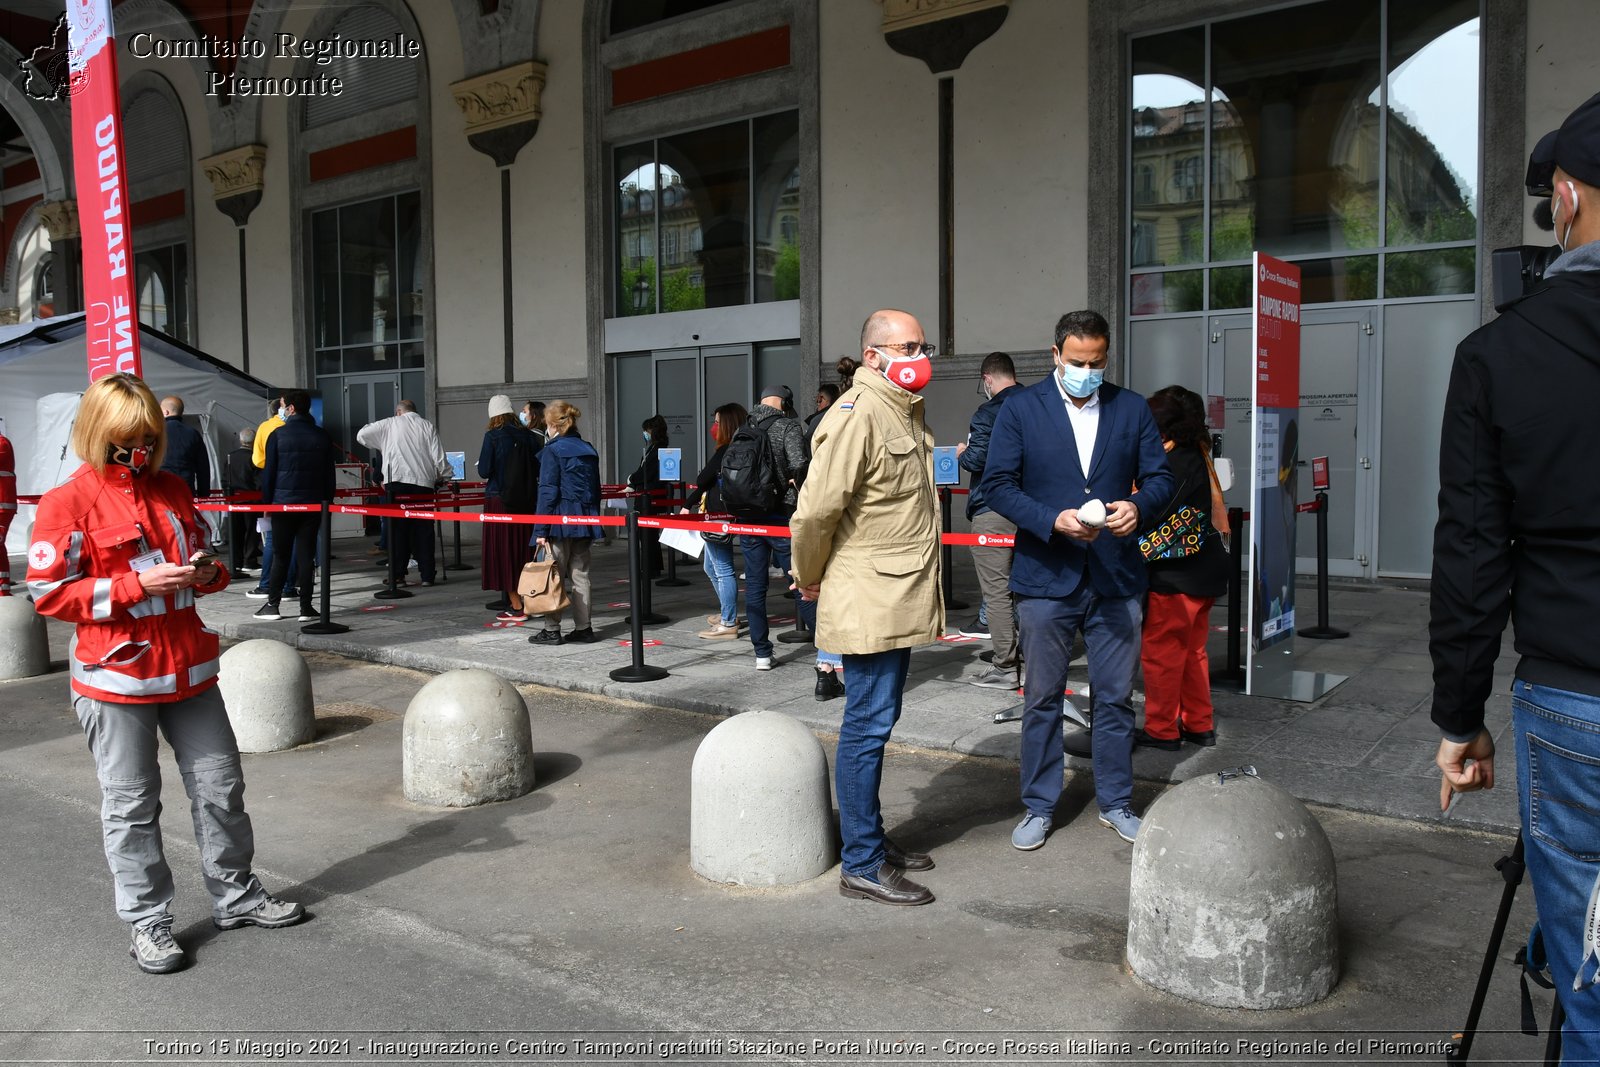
(718, 563)
(829, 659)
(873, 687)
(1110, 628)
(758, 553)
(1558, 780)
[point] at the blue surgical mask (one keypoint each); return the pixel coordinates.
(1079, 381)
(283, 414)
(646, 435)
(522, 417)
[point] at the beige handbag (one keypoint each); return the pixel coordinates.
(541, 588)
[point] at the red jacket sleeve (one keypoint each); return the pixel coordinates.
(60, 571)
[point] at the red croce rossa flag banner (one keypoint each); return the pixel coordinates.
(102, 185)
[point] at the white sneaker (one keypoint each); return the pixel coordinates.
(763, 663)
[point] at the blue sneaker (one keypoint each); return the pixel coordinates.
(1030, 832)
(1123, 821)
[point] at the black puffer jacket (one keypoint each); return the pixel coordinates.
(299, 466)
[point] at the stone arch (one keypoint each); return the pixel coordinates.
(44, 123)
(11, 280)
(150, 16)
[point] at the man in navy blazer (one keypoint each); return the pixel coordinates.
(1057, 445)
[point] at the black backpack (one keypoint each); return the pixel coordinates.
(519, 479)
(749, 477)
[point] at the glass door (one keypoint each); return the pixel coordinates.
(1336, 420)
(362, 399)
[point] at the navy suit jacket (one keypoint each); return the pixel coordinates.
(1033, 474)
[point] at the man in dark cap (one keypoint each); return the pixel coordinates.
(1519, 519)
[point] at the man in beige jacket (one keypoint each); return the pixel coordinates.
(866, 548)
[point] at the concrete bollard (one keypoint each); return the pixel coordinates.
(1233, 899)
(267, 687)
(467, 741)
(759, 808)
(24, 644)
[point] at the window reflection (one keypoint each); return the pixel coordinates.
(776, 155)
(1296, 87)
(367, 291)
(1168, 145)
(1297, 126)
(162, 276)
(697, 191)
(1433, 138)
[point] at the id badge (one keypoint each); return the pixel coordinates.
(139, 564)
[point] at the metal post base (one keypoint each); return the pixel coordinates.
(325, 628)
(670, 583)
(393, 594)
(1323, 632)
(797, 636)
(458, 567)
(641, 673)
(649, 618)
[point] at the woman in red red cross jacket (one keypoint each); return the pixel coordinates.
(118, 551)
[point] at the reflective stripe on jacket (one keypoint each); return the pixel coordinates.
(130, 648)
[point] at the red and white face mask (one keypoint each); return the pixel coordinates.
(135, 458)
(910, 373)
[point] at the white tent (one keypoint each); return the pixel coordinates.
(44, 370)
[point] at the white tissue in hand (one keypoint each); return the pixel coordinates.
(1092, 513)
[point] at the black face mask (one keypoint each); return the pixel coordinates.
(135, 459)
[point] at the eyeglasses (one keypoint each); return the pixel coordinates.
(912, 349)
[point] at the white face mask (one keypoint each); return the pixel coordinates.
(283, 413)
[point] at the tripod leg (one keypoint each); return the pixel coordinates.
(1511, 869)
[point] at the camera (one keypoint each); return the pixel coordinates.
(1518, 270)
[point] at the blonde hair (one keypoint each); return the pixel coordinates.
(562, 415)
(118, 406)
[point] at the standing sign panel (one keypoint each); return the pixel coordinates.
(102, 188)
(1275, 342)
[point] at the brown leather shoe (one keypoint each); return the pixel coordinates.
(895, 856)
(890, 887)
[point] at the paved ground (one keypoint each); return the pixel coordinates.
(571, 914)
(1367, 746)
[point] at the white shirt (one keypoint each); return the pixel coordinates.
(410, 447)
(1085, 423)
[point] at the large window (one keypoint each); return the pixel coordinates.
(726, 204)
(1359, 164)
(367, 292)
(163, 285)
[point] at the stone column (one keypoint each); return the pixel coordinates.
(66, 254)
(502, 114)
(236, 184)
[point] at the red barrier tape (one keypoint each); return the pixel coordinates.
(1308, 506)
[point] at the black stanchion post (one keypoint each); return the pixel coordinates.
(672, 580)
(638, 583)
(1322, 631)
(1234, 671)
(455, 494)
(947, 570)
(638, 593)
(397, 561)
(325, 625)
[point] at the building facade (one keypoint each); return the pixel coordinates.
(661, 205)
